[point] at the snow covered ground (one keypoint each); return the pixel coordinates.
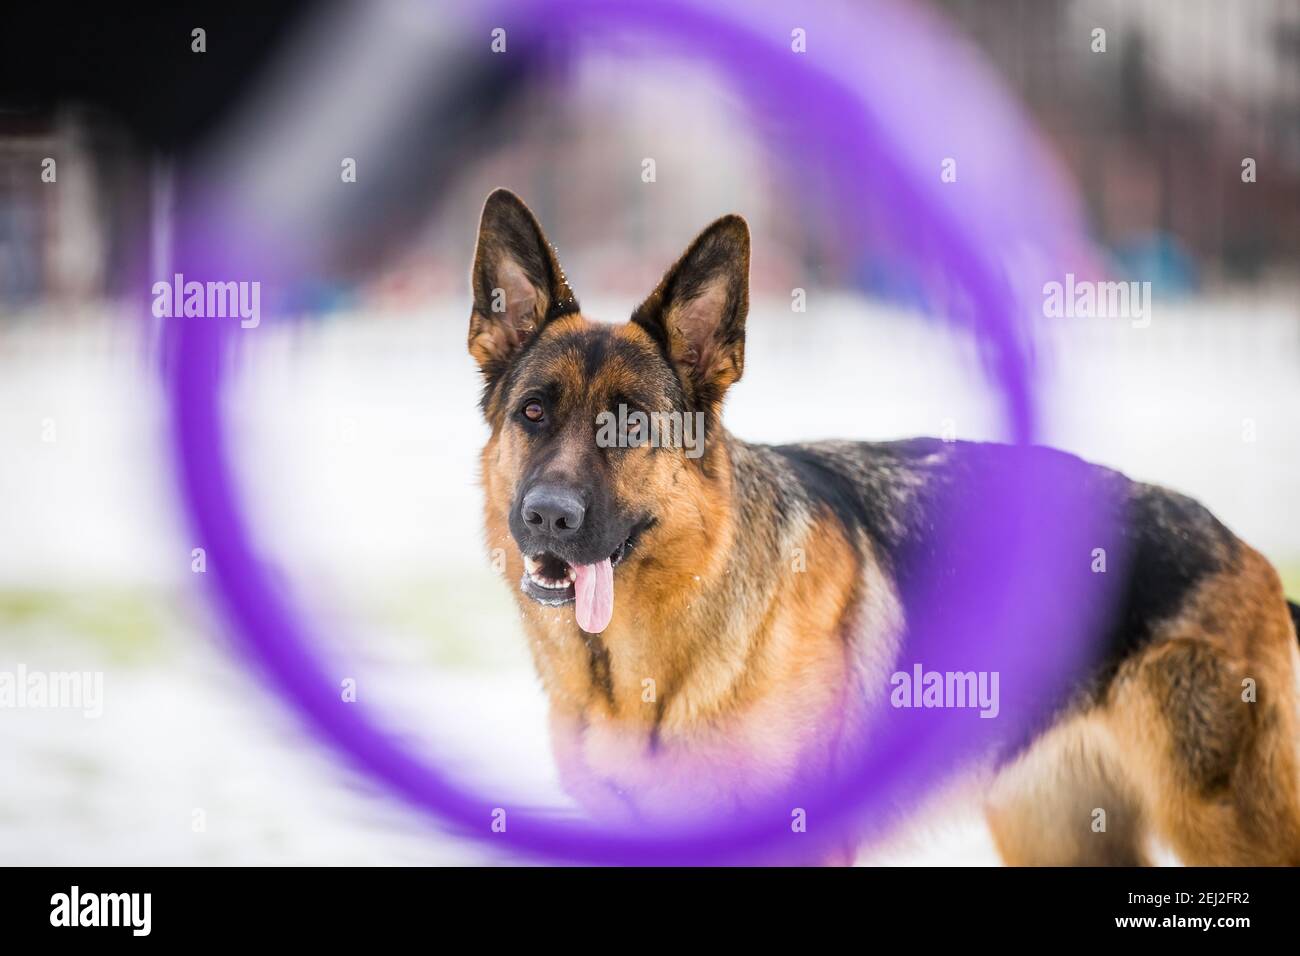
(356, 441)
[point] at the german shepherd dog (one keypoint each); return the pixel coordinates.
(686, 667)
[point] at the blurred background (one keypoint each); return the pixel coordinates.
(354, 419)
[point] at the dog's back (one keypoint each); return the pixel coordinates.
(1183, 727)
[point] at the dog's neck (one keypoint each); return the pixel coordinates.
(689, 619)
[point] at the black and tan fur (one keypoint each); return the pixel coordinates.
(761, 675)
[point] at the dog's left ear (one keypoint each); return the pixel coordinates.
(698, 311)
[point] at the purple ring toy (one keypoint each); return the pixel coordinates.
(883, 95)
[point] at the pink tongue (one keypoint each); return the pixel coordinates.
(593, 589)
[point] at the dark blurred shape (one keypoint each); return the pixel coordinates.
(125, 103)
(134, 62)
(107, 89)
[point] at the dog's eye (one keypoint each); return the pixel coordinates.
(533, 411)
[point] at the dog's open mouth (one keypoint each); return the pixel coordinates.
(553, 581)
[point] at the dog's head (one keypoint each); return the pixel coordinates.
(601, 449)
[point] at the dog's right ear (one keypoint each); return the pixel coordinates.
(517, 282)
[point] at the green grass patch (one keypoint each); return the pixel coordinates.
(125, 624)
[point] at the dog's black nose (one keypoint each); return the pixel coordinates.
(554, 511)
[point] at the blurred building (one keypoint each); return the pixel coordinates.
(1155, 128)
